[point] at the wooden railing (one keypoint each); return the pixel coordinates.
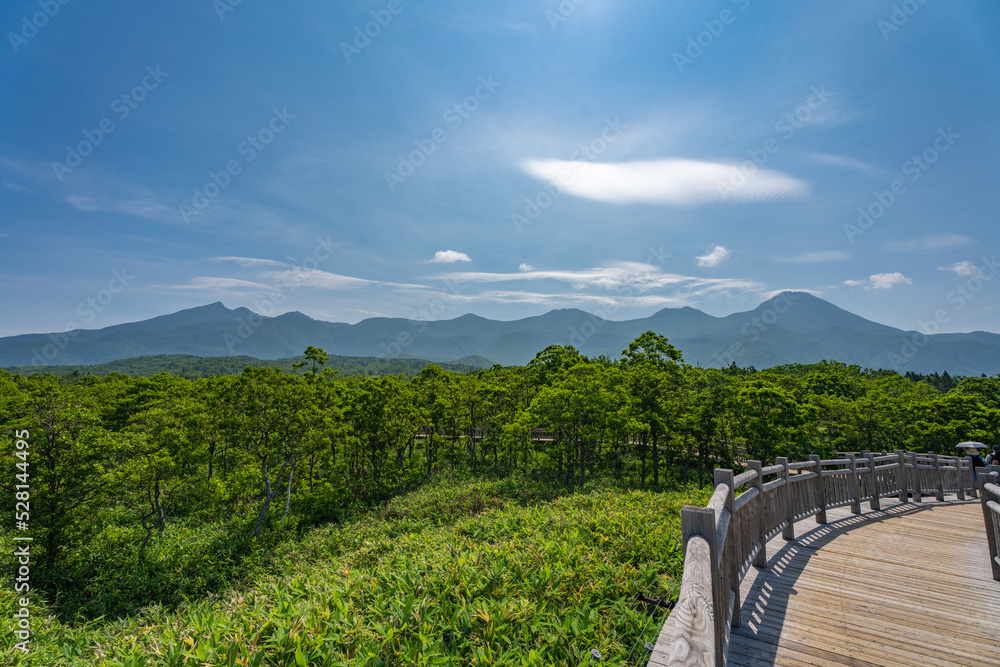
(723, 539)
(990, 496)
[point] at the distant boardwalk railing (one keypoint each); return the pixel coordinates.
(991, 514)
(723, 539)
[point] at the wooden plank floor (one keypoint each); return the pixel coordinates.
(908, 585)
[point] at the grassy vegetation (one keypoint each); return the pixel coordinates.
(458, 572)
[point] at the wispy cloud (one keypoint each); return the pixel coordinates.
(714, 257)
(674, 181)
(880, 281)
(815, 257)
(279, 276)
(616, 276)
(15, 187)
(843, 161)
(449, 257)
(964, 268)
(563, 299)
(929, 242)
(776, 292)
(216, 283)
(249, 261)
(133, 200)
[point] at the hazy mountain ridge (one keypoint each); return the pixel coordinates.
(792, 327)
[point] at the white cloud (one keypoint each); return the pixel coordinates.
(672, 181)
(815, 257)
(964, 268)
(449, 257)
(930, 242)
(887, 280)
(525, 267)
(716, 256)
(880, 281)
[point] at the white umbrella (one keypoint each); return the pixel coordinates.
(970, 445)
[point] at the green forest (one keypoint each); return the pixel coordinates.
(304, 516)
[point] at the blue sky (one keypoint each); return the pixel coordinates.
(502, 159)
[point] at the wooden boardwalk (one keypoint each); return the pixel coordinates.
(907, 585)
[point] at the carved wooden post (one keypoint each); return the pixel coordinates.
(820, 489)
(788, 532)
(760, 560)
(918, 491)
(855, 483)
(733, 538)
(701, 522)
(875, 502)
(699, 583)
(991, 536)
(939, 484)
(901, 477)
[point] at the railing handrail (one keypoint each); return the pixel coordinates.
(989, 494)
(721, 539)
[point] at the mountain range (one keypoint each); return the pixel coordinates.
(792, 327)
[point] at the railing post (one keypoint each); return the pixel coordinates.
(760, 560)
(939, 484)
(991, 536)
(959, 477)
(919, 492)
(699, 523)
(726, 477)
(901, 477)
(855, 484)
(788, 533)
(875, 502)
(820, 489)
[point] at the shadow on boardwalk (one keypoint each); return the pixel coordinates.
(908, 584)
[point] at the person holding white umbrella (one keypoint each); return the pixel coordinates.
(972, 451)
